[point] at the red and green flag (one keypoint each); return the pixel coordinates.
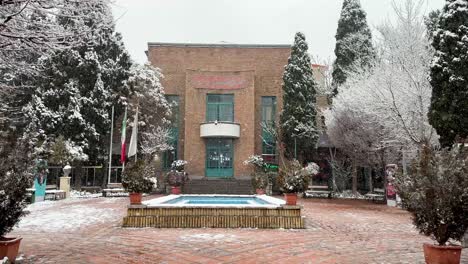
(122, 139)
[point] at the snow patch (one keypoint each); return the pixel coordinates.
(216, 238)
(65, 218)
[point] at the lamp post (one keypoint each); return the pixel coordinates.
(295, 143)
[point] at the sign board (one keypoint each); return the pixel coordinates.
(219, 82)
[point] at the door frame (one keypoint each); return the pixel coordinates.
(219, 172)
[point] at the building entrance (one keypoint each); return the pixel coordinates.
(219, 158)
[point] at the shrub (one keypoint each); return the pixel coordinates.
(14, 180)
(177, 176)
(134, 179)
(436, 193)
(294, 178)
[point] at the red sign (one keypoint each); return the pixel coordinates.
(220, 82)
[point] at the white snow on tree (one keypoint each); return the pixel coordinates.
(387, 105)
(78, 86)
(353, 43)
(153, 108)
(297, 121)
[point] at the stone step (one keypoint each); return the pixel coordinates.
(221, 186)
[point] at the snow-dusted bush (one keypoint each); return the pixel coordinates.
(256, 161)
(178, 165)
(177, 176)
(134, 180)
(14, 179)
(436, 193)
(294, 178)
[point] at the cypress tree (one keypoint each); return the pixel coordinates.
(298, 117)
(448, 112)
(353, 43)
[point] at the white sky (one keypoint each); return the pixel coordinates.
(239, 21)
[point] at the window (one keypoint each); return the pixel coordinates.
(220, 107)
(170, 155)
(268, 118)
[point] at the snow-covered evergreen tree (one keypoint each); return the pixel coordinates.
(79, 86)
(353, 43)
(449, 74)
(297, 120)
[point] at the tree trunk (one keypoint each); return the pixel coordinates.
(368, 171)
(354, 176)
(78, 173)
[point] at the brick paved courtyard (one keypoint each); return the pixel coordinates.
(338, 231)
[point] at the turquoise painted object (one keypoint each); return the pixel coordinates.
(40, 179)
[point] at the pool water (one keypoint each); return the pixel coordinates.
(216, 200)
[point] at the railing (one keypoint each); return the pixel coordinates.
(91, 175)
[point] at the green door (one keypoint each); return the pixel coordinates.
(219, 158)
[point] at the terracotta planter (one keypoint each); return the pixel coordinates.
(135, 198)
(175, 190)
(442, 254)
(9, 248)
(291, 198)
(260, 191)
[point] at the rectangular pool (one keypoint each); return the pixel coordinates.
(215, 211)
(260, 201)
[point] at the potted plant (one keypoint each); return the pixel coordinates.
(259, 175)
(135, 182)
(14, 180)
(177, 177)
(436, 193)
(293, 178)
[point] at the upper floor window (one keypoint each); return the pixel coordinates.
(220, 107)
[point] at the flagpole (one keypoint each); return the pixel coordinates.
(136, 127)
(110, 148)
(125, 117)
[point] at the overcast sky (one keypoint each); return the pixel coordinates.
(239, 21)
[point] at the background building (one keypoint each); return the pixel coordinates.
(223, 93)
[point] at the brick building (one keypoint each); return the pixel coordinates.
(223, 93)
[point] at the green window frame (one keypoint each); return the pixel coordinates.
(269, 148)
(171, 155)
(220, 107)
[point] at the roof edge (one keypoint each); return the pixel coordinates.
(217, 45)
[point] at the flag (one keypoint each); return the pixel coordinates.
(122, 139)
(132, 148)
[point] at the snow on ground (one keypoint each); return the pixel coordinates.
(205, 237)
(63, 216)
(78, 194)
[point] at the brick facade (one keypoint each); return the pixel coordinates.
(248, 71)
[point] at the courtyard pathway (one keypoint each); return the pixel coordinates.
(338, 231)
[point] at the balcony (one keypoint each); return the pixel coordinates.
(220, 130)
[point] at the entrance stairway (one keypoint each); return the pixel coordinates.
(218, 186)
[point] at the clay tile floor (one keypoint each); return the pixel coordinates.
(88, 230)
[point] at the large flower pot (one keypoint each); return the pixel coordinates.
(9, 248)
(135, 198)
(291, 198)
(442, 254)
(175, 190)
(260, 191)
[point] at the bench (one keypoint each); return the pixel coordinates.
(377, 195)
(113, 190)
(54, 195)
(30, 194)
(318, 190)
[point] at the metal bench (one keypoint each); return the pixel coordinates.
(377, 195)
(114, 189)
(54, 195)
(318, 190)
